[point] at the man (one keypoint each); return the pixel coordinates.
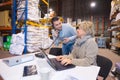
(64, 33)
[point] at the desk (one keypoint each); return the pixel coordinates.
(16, 72)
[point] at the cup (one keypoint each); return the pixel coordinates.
(45, 73)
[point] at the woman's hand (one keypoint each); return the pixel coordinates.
(66, 61)
(60, 58)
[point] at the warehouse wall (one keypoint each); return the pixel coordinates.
(81, 8)
(67, 8)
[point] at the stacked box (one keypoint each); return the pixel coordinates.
(4, 18)
(1, 41)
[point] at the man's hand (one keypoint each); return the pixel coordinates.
(55, 33)
(66, 40)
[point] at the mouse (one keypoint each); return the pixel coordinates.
(40, 55)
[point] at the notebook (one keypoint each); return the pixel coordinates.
(56, 65)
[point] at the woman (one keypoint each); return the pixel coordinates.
(85, 48)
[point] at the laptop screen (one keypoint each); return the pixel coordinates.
(48, 60)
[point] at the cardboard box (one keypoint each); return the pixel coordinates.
(4, 18)
(1, 41)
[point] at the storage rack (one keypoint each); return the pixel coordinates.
(115, 25)
(14, 19)
(16, 23)
(5, 29)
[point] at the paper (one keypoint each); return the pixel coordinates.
(78, 73)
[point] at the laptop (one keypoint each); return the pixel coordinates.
(56, 65)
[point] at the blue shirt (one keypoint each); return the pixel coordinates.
(67, 32)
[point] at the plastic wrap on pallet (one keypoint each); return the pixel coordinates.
(17, 45)
(46, 43)
(32, 14)
(32, 29)
(33, 3)
(33, 11)
(18, 39)
(114, 8)
(33, 47)
(37, 37)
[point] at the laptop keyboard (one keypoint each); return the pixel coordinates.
(55, 62)
(59, 66)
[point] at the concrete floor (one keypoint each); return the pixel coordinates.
(112, 56)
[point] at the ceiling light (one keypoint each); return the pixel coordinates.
(93, 4)
(50, 9)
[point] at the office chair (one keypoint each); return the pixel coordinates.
(105, 65)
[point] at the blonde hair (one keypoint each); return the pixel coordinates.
(87, 26)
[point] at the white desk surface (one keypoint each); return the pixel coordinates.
(16, 72)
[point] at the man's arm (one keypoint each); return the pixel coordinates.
(74, 33)
(55, 35)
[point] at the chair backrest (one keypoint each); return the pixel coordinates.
(105, 66)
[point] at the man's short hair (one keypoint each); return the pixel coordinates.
(54, 19)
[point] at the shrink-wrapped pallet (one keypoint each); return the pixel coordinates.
(33, 11)
(37, 37)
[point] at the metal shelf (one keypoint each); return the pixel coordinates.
(3, 28)
(14, 19)
(5, 3)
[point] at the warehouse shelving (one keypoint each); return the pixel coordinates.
(15, 8)
(115, 25)
(4, 28)
(5, 3)
(23, 19)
